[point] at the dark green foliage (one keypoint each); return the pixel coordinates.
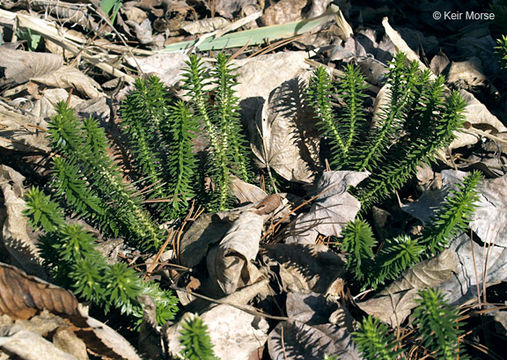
(417, 120)
(70, 254)
(144, 115)
(429, 126)
(344, 129)
(196, 341)
(437, 324)
(501, 50)
(436, 327)
(396, 256)
(226, 115)
(400, 80)
(358, 242)
(227, 151)
(182, 162)
(85, 173)
(402, 252)
(41, 212)
(454, 214)
(375, 341)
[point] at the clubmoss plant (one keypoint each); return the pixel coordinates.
(227, 150)
(375, 340)
(437, 323)
(92, 184)
(501, 51)
(70, 254)
(418, 119)
(404, 251)
(436, 328)
(196, 341)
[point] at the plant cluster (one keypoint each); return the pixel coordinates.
(70, 253)
(196, 341)
(213, 99)
(501, 50)
(403, 251)
(436, 325)
(87, 183)
(417, 120)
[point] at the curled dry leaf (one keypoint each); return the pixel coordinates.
(235, 334)
(22, 296)
(284, 135)
(70, 77)
(229, 265)
(20, 66)
(477, 116)
(489, 220)
(14, 236)
(245, 192)
(22, 132)
(394, 304)
(303, 268)
(308, 334)
(332, 209)
(45, 107)
(207, 230)
(400, 45)
(470, 72)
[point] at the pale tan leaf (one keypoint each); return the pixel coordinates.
(235, 334)
(395, 303)
(69, 77)
(332, 209)
(229, 265)
(20, 66)
(14, 236)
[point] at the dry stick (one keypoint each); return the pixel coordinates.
(475, 269)
(292, 212)
(159, 254)
(283, 344)
(275, 46)
(485, 271)
(240, 307)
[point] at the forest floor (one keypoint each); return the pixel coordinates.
(270, 277)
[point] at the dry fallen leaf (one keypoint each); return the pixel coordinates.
(286, 138)
(229, 265)
(22, 132)
(479, 117)
(394, 304)
(235, 334)
(70, 77)
(20, 66)
(469, 72)
(14, 237)
(22, 296)
(282, 12)
(332, 209)
(478, 267)
(28, 345)
(303, 268)
(167, 66)
(308, 334)
(227, 8)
